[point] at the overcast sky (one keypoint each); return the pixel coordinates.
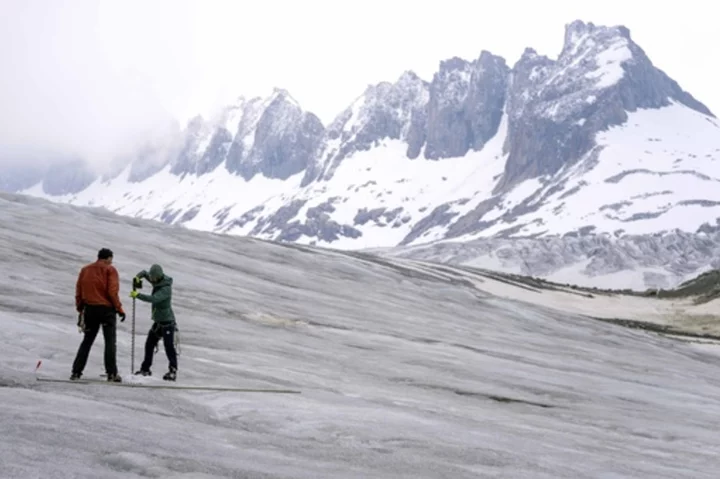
(95, 76)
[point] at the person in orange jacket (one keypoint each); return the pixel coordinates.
(98, 303)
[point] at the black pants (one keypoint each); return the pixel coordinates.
(95, 318)
(167, 333)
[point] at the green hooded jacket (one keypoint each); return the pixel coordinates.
(161, 297)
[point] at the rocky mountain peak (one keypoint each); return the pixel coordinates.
(459, 110)
(192, 148)
(271, 135)
(527, 55)
(386, 110)
(281, 96)
(466, 105)
(578, 31)
(274, 137)
(409, 79)
(488, 59)
(556, 107)
(452, 64)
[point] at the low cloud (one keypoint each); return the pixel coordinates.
(81, 79)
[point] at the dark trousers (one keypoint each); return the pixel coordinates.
(97, 317)
(167, 334)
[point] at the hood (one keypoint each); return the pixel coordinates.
(156, 271)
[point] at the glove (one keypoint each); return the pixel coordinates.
(122, 317)
(133, 294)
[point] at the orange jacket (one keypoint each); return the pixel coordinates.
(98, 284)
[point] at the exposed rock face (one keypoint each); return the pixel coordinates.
(148, 164)
(555, 108)
(271, 136)
(396, 111)
(459, 111)
(466, 105)
(246, 120)
(192, 147)
(285, 139)
(380, 217)
(215, 152)
(316, 224)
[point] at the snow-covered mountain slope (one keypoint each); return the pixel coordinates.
(405, 370)
(598, 140)
(663, 177)
(645, 176)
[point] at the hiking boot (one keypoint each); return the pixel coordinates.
(114, 378)
(143, 372)
(171, 375)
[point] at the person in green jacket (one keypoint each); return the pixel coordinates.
(163, 317)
